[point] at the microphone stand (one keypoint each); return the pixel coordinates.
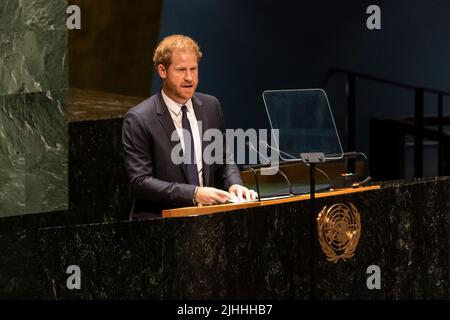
(281, 172)
(256, 182)
(291, 190)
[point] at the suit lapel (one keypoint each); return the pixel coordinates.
(200, 114)
(167, 123)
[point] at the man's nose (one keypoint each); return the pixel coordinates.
(188, 75)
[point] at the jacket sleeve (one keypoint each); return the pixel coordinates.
(229, 173)
(137, 143)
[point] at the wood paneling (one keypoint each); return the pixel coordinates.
(113, 50)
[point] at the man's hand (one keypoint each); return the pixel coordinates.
(208, 195)
(242, 192)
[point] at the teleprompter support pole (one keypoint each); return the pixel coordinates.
(312, 159)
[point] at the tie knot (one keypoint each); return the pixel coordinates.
(184, 109)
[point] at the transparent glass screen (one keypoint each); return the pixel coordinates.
(305, 123)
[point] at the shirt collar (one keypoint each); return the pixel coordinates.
(175, 107)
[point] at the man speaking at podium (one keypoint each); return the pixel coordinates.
(156, 182)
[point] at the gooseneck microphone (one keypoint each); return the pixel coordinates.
(291, 190)
(281, 172)
(264, 144)
(251, 146)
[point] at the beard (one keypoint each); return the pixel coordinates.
(179, 93)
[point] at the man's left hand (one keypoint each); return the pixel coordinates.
(242, 192)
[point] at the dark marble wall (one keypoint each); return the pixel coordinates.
(232, 255)
(33, 112)
(250, 253)
(21, 269)
(98, 182)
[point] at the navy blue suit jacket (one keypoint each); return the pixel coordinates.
(157, 183)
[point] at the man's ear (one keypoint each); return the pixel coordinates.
(162, 71)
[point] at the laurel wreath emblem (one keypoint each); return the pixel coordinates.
(339, 229)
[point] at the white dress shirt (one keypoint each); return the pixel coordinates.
(177, 116)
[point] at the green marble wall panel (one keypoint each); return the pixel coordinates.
(33, 106)
(33, 61)
(37, 15)
(11, 17)
(46, 143)
(12, 155)
(33, 152)
(44, 14)
(12, 63)
(45, 63)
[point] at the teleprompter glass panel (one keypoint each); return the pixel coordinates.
(304, 121)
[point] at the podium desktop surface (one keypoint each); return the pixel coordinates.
(201, 210)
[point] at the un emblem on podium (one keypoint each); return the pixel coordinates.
(339, 229)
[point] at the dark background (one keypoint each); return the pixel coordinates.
(250, 46)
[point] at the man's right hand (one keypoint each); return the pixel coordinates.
(208, 196)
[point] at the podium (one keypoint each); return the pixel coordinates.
(247, 251)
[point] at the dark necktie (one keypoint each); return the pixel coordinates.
(189, 150)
